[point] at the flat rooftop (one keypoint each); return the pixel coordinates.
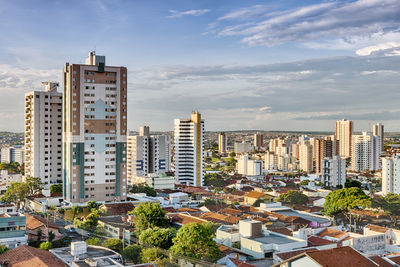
(308, 217)
(92, 252)
(274, 239)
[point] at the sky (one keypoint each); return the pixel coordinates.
(268, 65)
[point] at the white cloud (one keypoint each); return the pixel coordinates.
(193, 12)
(330, 25)
(366, 51)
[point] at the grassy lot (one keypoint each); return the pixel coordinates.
(68, 215)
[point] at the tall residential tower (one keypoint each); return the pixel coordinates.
(189, 150)
(94, 131)
(43, 134)
(222, 142)
(343, 135)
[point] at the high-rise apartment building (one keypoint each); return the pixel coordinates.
(333, 171)
(222, 142)
(250, 167)
(379, 131)
(189, 150)
(323, 148)
(94, 131)
(13, 154)
(43, 134)
(147, 154)
(306, 157)
(343, 135)
(258, 140)
(391, 174)
(365, 152)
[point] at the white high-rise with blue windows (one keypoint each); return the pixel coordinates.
(147, 154)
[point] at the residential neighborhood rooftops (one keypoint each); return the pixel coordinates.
(29, 256)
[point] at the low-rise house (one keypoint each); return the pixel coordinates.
(80, 254)
(117, 227)
(341, 256)
(114, 209)
(40, 203)
(13, 230)
(7, 208)
(25, 255)
(256, 241)
(253, 196)
(34, 223)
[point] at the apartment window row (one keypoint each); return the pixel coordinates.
(110, 152)
(89, 95)
(111, 95)
(111, 117)
(110, 102)
(111, 89)
(90, 109)
(89, 87)
(88, 102)
(110, 188)
(111, 74)
(110, 180)
(89, 116)
(89, 72)
(110, 137)
(110, 110)
(110, 81)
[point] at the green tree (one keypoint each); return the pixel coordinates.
(214, 179)
(113, 243)
(34, 184)
(232, 154)
(39, 234)
(343, 200)
(51, 236)
(75, 211)
(292, 197)
(93, 241)
(154, 255)
(88, 223)
(196, 241)
(304, 182)
(93, 205)
(3, 249)
(56, 189)
(16, 193)
(149, 191)
(132, 253)
(157, 237)
(148, 215)
(258, 202)
(46, 245)
(390, 204)
(352, 183)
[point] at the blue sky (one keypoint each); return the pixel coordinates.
(273, 65)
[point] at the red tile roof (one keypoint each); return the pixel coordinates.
(29, 256)
(254, 194)
(287, 255)
(332, 233)
(314, 241)
(239, 263)
(114, 209)
(342, 256)
(381, 261)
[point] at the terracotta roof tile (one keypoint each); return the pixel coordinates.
(380, 261)
(287, 255)
(377, 228)
(239, 263)
(230, 211)
(314, 241)
(332, 233)
(342, 256)
(254, 194)
(29, 256)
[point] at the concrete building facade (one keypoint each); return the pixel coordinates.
(333, 171)
(366, 152)
(222, 142)
(43, 134)
(391, 174)
(306, 157)
(343, 135)
(189, 150)
(147, 154)
(94, 131)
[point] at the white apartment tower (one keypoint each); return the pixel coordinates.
(189, 150)
(333, 171)
(366, 151)
(43, 134)
(343, 135)
(306, 156)
(222, 142)
(391, 174)
(147, 154)
(379, 131)
(249, 167)
(94, 131)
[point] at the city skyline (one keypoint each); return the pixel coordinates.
(243, 65)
